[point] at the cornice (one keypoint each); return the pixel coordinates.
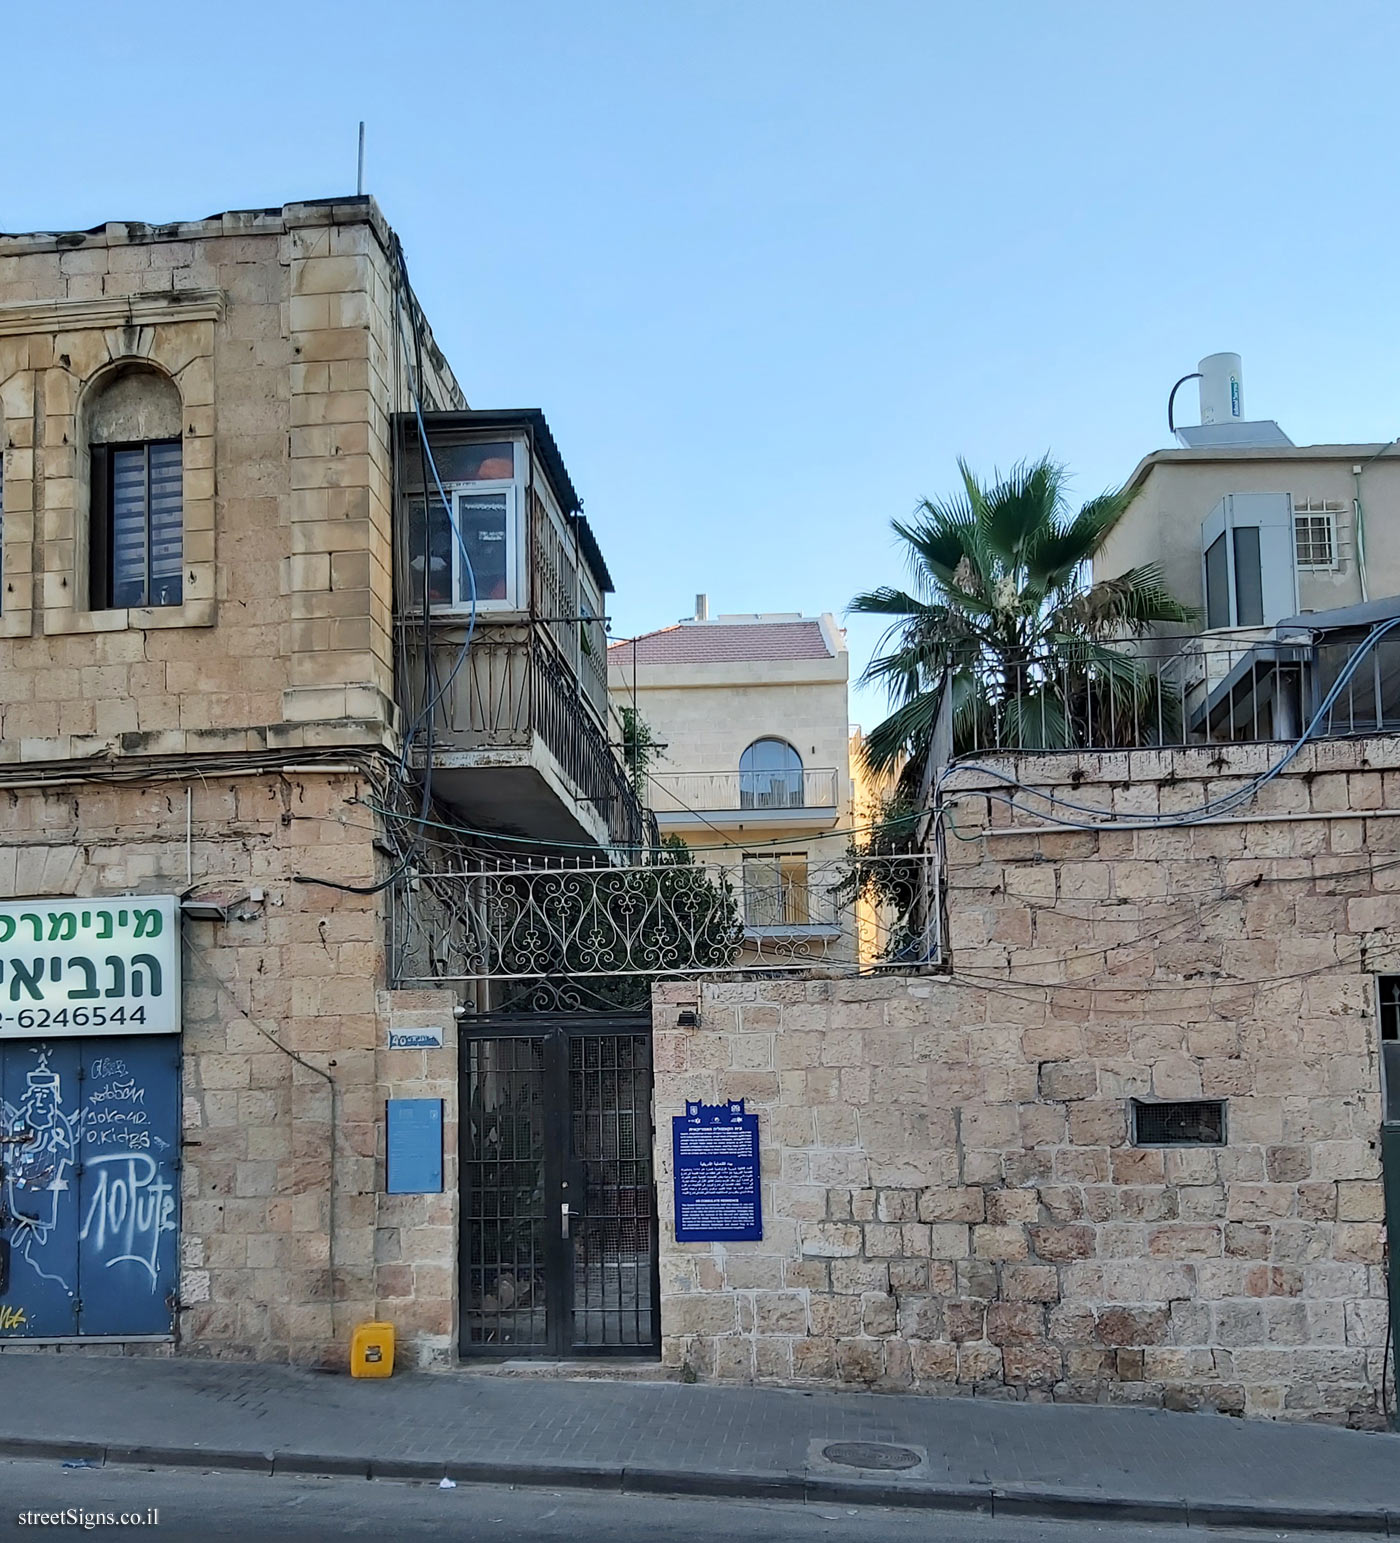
(146, 310)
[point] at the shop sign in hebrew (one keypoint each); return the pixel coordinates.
(94, 966)
(715, 1152)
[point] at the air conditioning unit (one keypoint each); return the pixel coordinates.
(1251, 579)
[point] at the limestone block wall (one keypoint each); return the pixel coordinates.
(952, 1198)
(416, 1235)
(278, 329)
(287, 1239)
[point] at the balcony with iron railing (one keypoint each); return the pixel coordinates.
(502, 646)
(515, 743)
(805, 799)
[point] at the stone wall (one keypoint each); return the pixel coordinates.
(952, 1201)
(278, 329)
(282, 1002)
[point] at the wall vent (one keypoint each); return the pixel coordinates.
(1193, 1122)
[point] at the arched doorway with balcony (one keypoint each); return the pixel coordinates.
(770, 776)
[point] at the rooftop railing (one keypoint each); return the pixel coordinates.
(1208, 691)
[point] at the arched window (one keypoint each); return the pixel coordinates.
(770, 776)
(136, 530)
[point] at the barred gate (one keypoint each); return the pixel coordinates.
(559, 1234)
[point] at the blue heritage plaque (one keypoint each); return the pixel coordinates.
(715, 1151)
(413, 1146)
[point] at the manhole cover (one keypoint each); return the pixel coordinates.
(870, 1454)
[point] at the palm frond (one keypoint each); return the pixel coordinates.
(886, 601)
(907, 730)
(944, 549)
(1132, 602)
(1021, 507)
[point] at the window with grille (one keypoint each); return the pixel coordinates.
(1315, 531)
(138, 524)
(1187, 1122)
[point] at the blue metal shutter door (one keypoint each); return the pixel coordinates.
(39, 1094)
(129, 1188)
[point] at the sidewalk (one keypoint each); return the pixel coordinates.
(972, 1454)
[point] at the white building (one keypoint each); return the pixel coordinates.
(749, 715)
(1251, 528)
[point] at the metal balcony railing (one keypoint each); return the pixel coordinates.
(1208, 691)
(510, 686)
(731, 791)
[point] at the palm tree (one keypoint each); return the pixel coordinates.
(1000, 610)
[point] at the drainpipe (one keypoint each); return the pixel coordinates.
(1358, 515)
(1390, 1173)
(1359, 518)
(1390, 1167)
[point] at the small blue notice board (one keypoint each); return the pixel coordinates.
(715, 1151)
(413, 1146)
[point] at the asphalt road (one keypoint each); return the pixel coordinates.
(198, 1506)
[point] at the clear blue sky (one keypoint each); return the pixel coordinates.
(769, 266)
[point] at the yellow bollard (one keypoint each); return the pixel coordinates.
(372, 1350)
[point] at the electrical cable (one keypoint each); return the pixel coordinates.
(591, 847)
(357, 889)
(1207, 896)
(1147, 987)
(428, 461)
(414, 361)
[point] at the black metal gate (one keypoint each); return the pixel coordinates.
(558, 1197)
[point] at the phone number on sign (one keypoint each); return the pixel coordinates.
(73, 1017)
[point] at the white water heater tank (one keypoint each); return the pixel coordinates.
(1222, 388)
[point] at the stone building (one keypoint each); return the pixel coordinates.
(208, 729)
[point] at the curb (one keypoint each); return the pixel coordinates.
(991, 1500)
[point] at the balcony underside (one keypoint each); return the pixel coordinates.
(516, 791)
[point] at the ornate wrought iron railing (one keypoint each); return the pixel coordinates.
(521, 923)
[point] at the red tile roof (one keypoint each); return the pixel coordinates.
(723, 643)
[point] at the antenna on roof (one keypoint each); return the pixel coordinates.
(360, 173)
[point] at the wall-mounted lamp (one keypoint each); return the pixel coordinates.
(687, 1018)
